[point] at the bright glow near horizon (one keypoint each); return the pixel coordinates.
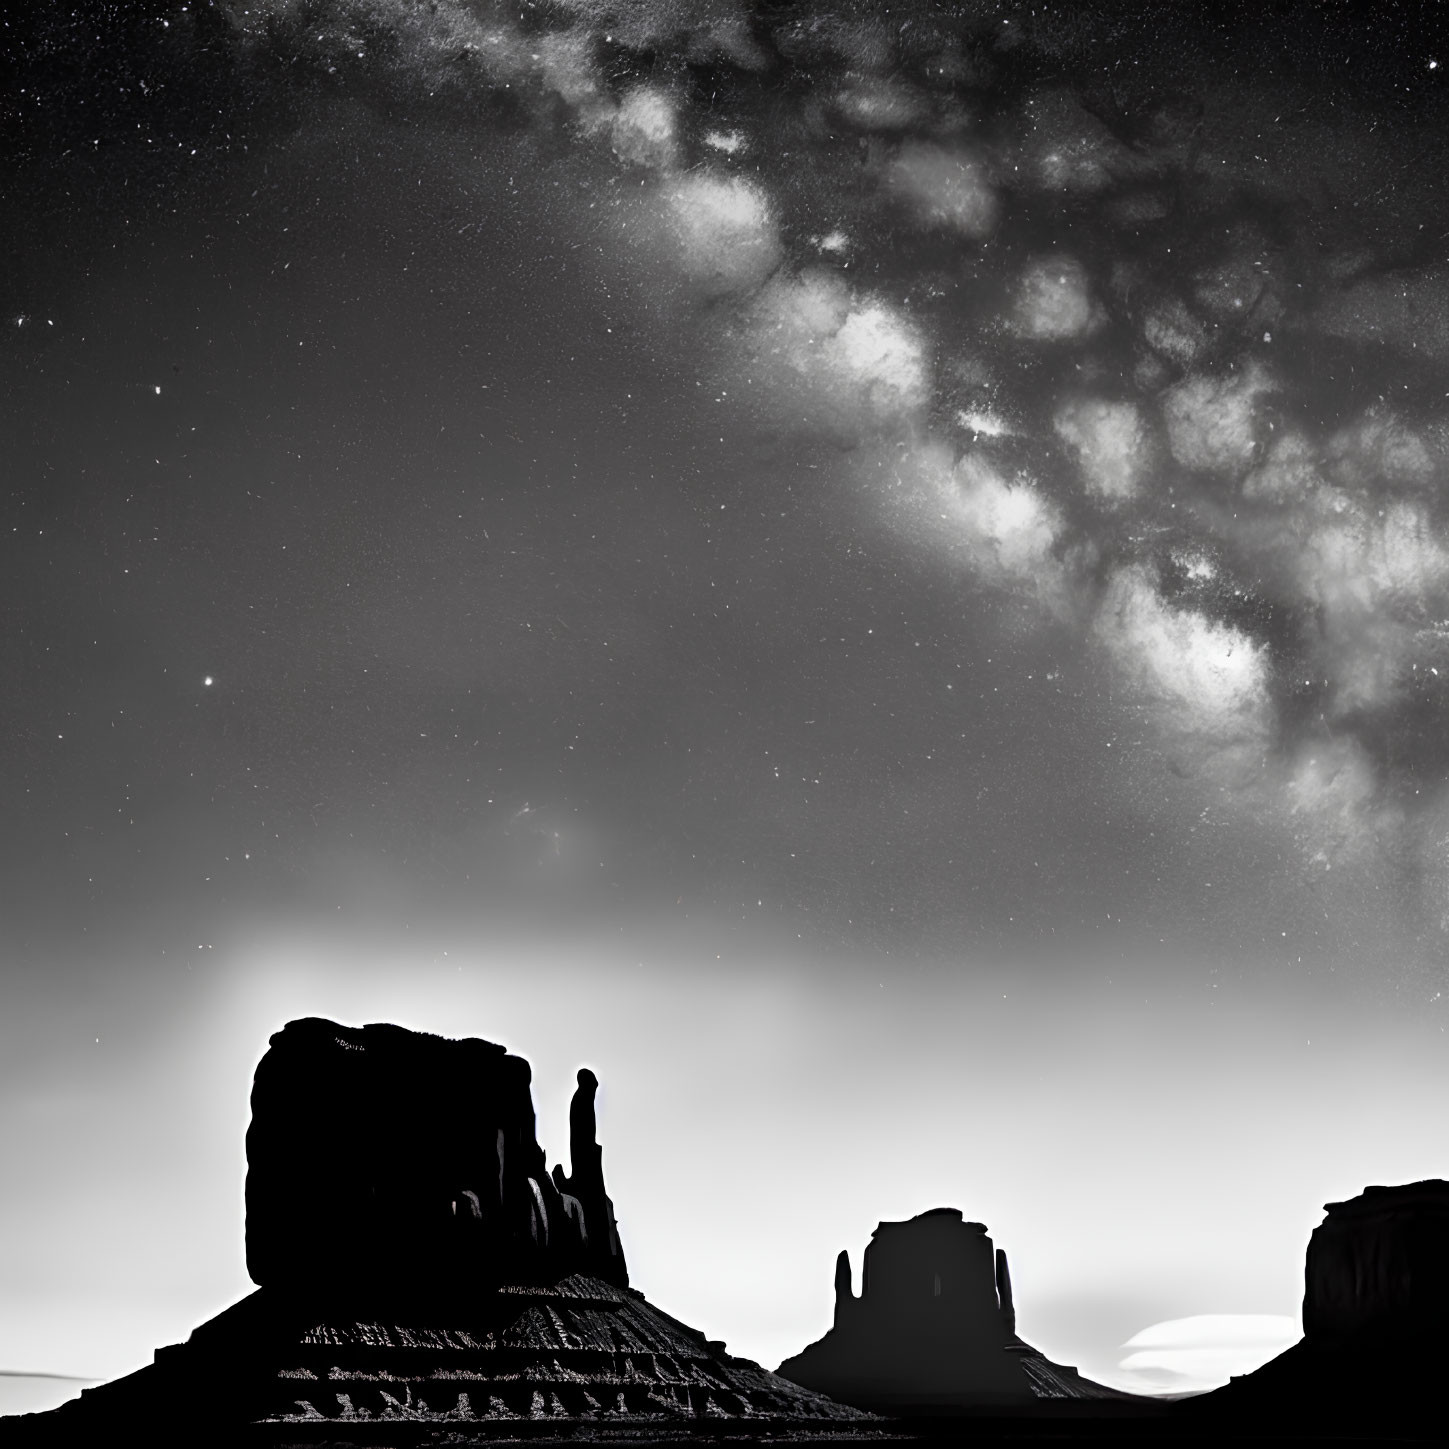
(769, 1121)
(1202, 1352)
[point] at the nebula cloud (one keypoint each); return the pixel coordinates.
(1213, 448)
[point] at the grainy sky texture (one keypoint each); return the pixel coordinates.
(878, 574)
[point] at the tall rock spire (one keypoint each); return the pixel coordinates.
(601, 1253)
(1003, 1293)
(844, 1294)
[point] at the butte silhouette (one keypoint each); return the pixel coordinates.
(934, 1329)
(419, 1269)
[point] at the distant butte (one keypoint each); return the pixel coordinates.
(934, 1329)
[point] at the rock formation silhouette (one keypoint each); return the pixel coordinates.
(417, 1264)
(414, 1168)
(1378, 1267)
(1375, 1323)
(934, 1328)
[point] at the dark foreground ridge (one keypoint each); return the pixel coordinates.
(934, 1329)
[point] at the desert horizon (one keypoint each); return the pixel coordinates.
(1190, 1353)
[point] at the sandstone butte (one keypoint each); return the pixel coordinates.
(421, 1273)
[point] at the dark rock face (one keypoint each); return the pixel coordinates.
(1378, 1265)
(1375, 1321)
(381, 1160)
(934, 1328)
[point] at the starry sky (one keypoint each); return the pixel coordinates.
(878, 574)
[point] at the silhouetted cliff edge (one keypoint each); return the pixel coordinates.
(1375, 1325)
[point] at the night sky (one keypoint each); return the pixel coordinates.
(878, 574)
